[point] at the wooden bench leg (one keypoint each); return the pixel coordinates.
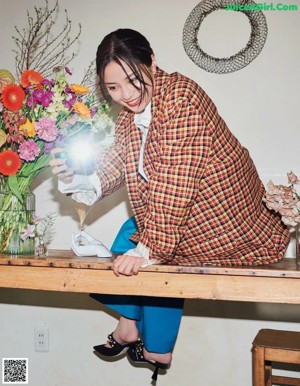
(258, 355)
(268, 373)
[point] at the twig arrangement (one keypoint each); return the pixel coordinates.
(37, 48)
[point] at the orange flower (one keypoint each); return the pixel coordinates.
(79, 89)
(13, 97)
(10, 162)
(82, 110)
(28, 127)
(31, 78)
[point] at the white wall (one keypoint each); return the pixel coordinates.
(260, 103)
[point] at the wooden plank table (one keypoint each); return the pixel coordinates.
(63, 271)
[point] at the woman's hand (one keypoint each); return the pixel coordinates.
(59, 167)
(127, 265)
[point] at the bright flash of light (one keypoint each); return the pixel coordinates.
(80, 151)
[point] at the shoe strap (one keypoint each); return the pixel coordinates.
(137, 350)
(112, 342)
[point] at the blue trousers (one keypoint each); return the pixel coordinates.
(158, 319)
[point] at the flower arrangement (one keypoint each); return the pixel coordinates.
(39, 109)
(285, 200)
(40, 229)
(36, 115)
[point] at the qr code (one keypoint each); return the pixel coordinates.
(14, 371)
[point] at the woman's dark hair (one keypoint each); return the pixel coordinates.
(128, 46)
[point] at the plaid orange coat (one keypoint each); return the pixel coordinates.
(202, 203)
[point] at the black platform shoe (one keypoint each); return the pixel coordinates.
(135, 353)
(115, 348)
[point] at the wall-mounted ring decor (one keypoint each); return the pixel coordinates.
(258, 36)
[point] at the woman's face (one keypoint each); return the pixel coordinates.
(119, 86)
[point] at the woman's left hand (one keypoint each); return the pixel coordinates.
(127, 265)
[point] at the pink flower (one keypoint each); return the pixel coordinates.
(46, 129)
(29, 150)
(36, 218)
(28, 232)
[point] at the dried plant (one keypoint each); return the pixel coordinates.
(90, 79)
(40, 50)
(89, 75)
(285, 200)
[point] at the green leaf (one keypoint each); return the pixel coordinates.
(14, 187)
(34, 168)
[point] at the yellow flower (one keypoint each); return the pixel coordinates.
(82, 110)
(6, 78)
(79, 89)
(3, 137)
(29, 128)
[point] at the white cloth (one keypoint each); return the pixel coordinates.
(83, 244)
(142, 121)
(86, 189)
(142, 251)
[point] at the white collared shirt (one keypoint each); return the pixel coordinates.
(143, 121)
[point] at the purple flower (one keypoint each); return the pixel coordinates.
(70, 100)
(38, 95)
(31, 102)
(46, 98)
(57, 68)
(93, 111)
(28, 232)
(68, 71)
(47, 82)
(29, 150)
(48, 146)
(46, 129)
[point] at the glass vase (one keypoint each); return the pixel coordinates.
(14, 217)
(297, 242)
(41, 249)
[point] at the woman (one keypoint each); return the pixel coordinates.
(194, 190)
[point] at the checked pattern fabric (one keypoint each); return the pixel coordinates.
(202, 203)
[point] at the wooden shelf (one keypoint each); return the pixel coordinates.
(63, 271)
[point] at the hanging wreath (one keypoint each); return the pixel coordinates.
(235, 62)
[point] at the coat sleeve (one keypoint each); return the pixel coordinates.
(183, 150)
(110, 167)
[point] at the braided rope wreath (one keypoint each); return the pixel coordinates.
(235, 62)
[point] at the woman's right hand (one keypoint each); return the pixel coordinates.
(59, 167)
